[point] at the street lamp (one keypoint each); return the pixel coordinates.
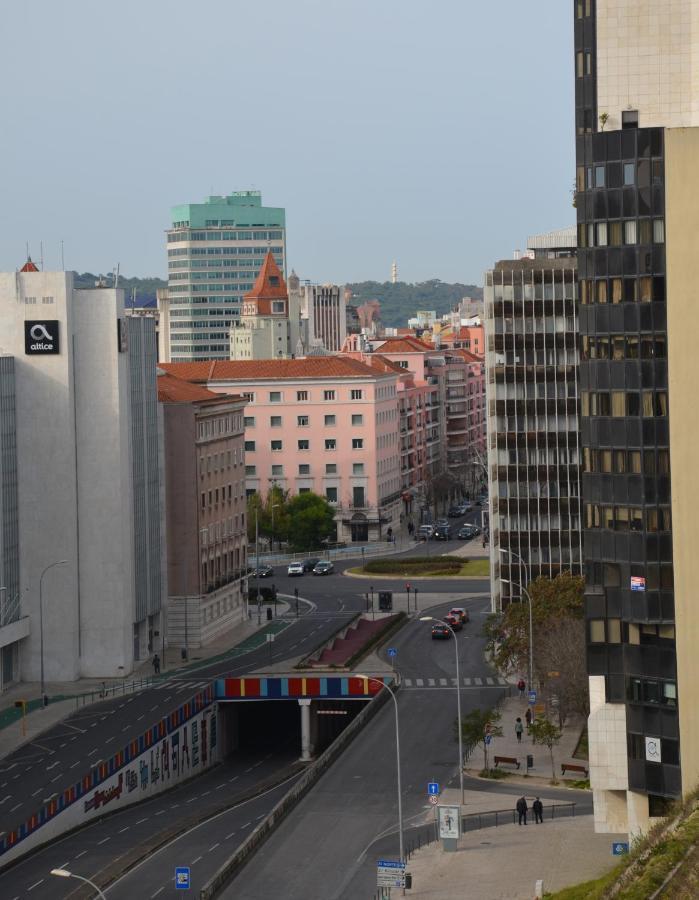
(274, 506)
(400, 800)
(531, 626)
(64, 873)
(527, 573)
(458, 700)
(60, 562)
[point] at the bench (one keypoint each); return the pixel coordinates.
(509, 760)
(573, 767)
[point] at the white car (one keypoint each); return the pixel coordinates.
(295, 568)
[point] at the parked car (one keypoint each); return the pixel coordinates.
(425, 531)
(460, 613)
(441, 521)
(440, 632)
(466, 507)
(466, 532)
(454, 621)
(442, 533)
(324, 567)
(455, 511)
(310, 564)
(262, 572)
(295, 568)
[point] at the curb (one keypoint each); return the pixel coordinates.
(514, 778)
(412, 578)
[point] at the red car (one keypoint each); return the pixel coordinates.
(454, 621)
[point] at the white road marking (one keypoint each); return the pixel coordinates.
(103, 841)
(408, 682)
(454, 682)
(231, 780)
(122, 830)
(54, 764)
(56, 778)
(75, 764)
(37, 791)
(141, 717)
(78, 855)
(160, 812)
(140, 821)
(196, 860)
(419, 682)
(213, 847)
(430, 681)
(160, 889)
(17, 806)
(467, 681)
(228, 836)
(489, 681)
(247, 824)
(478, 680)
(36, 884)
(109, 739)
(443, 682)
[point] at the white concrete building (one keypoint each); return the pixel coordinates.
(86, 448)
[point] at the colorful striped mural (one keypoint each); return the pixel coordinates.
(297, 687)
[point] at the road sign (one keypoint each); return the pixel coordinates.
(433, 787)
(619, 848)
(182, 878)
(532, 697)
(434, 799)
(270, 638)
(390, 873)
(392, 651)
(638, 583)
(488, 739)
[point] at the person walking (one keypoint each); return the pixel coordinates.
(521, 684)
(156, 664)
(538, 808)
(528, 718)
(522, 809)
(519, 728)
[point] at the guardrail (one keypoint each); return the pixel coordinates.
(380, 548)
(115, 689)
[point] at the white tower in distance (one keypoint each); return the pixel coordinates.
(394, 272)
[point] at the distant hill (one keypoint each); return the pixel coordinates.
(145, 287)
(400, 301)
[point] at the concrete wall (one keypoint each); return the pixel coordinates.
(682, 228)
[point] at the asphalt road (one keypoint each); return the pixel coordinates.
(323, 849)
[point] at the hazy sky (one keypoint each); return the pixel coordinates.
(438, 134)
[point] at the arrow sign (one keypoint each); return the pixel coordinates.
(392, 651)
(433, 788)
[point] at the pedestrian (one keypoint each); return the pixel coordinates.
(538, 808)
(156, 664)
(528, 718)
(520, 687)
(522, 810)
(519, 728)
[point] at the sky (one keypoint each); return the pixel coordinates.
(436, 133)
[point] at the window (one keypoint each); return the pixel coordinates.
(249, 421)
(615, 234)
(250, 470)
(277, 470)
(630, 231)
(328, 395)
(302, 421)
(275, 421)
(301, 395)
(599, 176)
(357, 468)
(304, 469)
(629, 173)
(249, 397)
(275, 396)
(331, 494)
(276, 446)
(249, 446)
(357, 443)
(330, 444)
(618, 403)
(356, 394)
(304, 445)
(331, 468)
(596, 627)
(278, 306)
(357, 419)
(658, 231)
(602, 234)
(579, 64)
(330, 420)
(629, 117)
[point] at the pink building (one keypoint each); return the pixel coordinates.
(327, 424)
(205, 510)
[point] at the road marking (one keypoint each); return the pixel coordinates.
(430, 681)
(153, 707)
(191, 800)
(167, 698)
(231, 780)
(141, 821)
(454, 682)
(502, 680)
(103, 841)
(17, 806)
(62, 745)
(247, 824)
(36, 884)
(78, 855)
(92, 752)
(160, 812)
(37, 791)
(75, 764)
(196, 860)
(160, 889)
(443, 681)
(467, 681)
(419, 682)
(122, 830)
(489, 681)
(56, 778)
(257, 764)
(213, 847)
(53, 764)
(477, 680)
(228, 836)
(408, 682)
(141, 717)
(109, 739)
(125, 728)
(248, 770)
(174, 806)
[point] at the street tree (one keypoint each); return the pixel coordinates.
(476, 727)
(548, 735)
(311, 520)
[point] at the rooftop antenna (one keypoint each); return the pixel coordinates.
(26, 245)
(41, 255)
(116, 276)
(63, 262)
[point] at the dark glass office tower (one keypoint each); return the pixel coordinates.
(638, 324)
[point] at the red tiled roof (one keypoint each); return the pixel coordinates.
(467, 355)
(269, 284)
(176, 390)
(404, 345)
(273, 369)
(29, 266)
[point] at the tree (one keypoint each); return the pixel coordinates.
(547, 734)
(311, 521)
(476, 726)
(272, 514)
(562, 666)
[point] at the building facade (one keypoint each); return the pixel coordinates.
(215, 251)
(322, 311)
(532, 423)
(81, 449)
(14, 624)
(206, 503)
(322, 424)
(637, 142)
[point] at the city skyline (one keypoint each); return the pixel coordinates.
(99, 161)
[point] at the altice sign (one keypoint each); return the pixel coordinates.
(41, 337)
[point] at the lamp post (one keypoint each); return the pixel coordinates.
(527, 573)
(64, 873)
(400, 799)
(458, 700)
(274, 506)
(531, 626)
(257, 566)
(60, 562)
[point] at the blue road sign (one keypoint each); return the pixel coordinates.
(532, 698)
(433, 787)
(620, 848)
(390, 864)
(488, 739)
(182, 878)
(392, 651)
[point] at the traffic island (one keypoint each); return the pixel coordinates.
(440, 567)
(353, 642)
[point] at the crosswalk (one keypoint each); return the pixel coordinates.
(435, 683)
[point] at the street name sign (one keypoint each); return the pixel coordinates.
(390, 873)
(619, 848)
(182, 878)
(532, 698)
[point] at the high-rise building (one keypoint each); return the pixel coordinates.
(215, 252)
(532, 423)
(637, 145)
(321, 310)
(86, 527)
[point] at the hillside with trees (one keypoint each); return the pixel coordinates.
(400, 301)
(145, 287)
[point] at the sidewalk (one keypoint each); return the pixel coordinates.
(507, 745)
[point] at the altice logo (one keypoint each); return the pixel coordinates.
(41, 337)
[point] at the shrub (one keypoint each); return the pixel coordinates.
(436, 565)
